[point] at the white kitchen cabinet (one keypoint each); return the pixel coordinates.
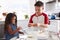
(23, 23)
(54, 25)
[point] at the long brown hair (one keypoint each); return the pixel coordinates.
(8, 20)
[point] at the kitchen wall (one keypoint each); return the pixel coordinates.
(27, 9)
(21, 7)
(52, 8)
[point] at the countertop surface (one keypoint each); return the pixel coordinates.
(38, 35)
(54, 19)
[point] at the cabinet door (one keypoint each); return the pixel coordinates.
(1, 30)
(59, 25)
(54, 24)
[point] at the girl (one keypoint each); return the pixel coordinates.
(11, 29)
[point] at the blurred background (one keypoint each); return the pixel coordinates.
(25, 8)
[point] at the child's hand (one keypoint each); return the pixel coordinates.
(38, 24)
(32, 24)
(19, 28)
(21, 32)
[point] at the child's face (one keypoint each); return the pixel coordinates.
(38, 9)
(13, 19)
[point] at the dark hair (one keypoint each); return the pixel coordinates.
(39, 3)
(9, 18)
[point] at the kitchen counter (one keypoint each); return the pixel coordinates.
(38, 35)
(54, 19)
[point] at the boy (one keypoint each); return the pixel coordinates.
(39, 18)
